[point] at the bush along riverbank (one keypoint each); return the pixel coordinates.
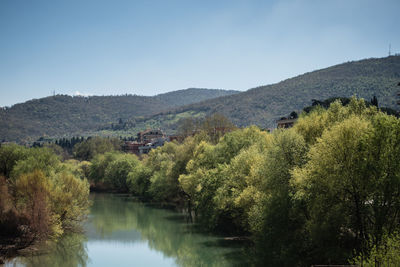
(40, 197)
(325, 191)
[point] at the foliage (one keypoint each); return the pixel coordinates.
(42, 197)
(167, 163)
(139, 180)
(385, 254)
(10, 219)
(351, 185)
(33, 199)
(70, 199)
(216, 126)
(88, 149)
(9, 156)
(278, 227)
(312, 125)
(118, 169)
(208, 183)
(97, 169)
(42, 159)
(324, 191)
(79, 169)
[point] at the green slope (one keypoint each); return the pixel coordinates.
(263, 105)
(66, 115)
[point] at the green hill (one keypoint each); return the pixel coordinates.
(263, 105)
(64, 115)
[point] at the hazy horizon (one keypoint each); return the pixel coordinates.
(142, 48)
(79, 94)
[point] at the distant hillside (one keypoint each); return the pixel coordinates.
(124, 115)
(192, 95)
(66, 115)
(263, 105)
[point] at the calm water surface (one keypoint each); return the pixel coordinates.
(123, 232)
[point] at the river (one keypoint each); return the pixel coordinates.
(121, 231)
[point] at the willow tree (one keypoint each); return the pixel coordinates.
(352, 186)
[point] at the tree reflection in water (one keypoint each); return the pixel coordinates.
(69, 251)
(120, 220)
(163, 230)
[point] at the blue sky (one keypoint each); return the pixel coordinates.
(149, 47)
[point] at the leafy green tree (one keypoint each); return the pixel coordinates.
(188, 126)
(117, 170)
(97, 169)
(312, 125)
(10, 218)
(163, 181)
(209, 181)
(280, 229)
(46, 195)
(70, 199)
(351, 184)
(232, 196)
(9, 156)
(88, 149)
(33, 193)
(80, 169)
(385, 254)
(42, 159)
(139, 180)
(58, 150)
(216, 126)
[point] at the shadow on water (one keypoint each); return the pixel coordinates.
(222, 242)
(116, 220)
(70, 250)
(179, 218)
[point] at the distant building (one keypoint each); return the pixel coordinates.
(146, 136)
(285, 123)
(132, 147)
(154, 143)
(145, 149)
(146, 141)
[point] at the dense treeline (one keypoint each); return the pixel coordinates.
(95, 145)
(345, 101)
(40, 196)
(325, 191)
(81, 148)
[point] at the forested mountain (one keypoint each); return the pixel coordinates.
(66, 115)
(263, 105)
(118, 115)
